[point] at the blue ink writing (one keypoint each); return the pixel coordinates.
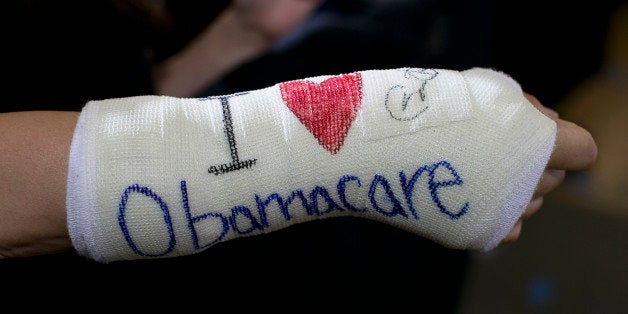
(240, 219)
(122, 209)
(434, 186)
(396, 205)
(192, 220)
(342, 187)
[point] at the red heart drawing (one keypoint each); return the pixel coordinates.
(327, 109)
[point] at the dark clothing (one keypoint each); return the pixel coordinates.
(64, 54)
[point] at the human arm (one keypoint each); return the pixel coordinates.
(243, 31)
(574, 150)
(34, 145)
(34, 149)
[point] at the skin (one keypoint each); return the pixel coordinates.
(34, 149)
(575, 150)
(34, 146)
(245, 30)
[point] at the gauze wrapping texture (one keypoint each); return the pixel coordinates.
(450, 156)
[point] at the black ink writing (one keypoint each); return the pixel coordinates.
(401, 101)
(236, 163)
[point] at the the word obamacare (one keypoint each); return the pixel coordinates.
(315, 202)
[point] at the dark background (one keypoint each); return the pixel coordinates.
(59, 54)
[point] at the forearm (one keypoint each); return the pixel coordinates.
(452, 156)
(223, 45)
(245, 30)
(37, 175)
(34, 149)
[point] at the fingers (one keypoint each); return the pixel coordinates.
(514, 234)
(575, 148)
(545, 110)
(549, 181)
(532, 208)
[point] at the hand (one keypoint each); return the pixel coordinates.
(574, 150)
(246, 29)
(274, 18)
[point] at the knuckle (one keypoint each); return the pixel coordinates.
(590, 154)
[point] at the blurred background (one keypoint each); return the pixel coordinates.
(572, 55)
(573, 255)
